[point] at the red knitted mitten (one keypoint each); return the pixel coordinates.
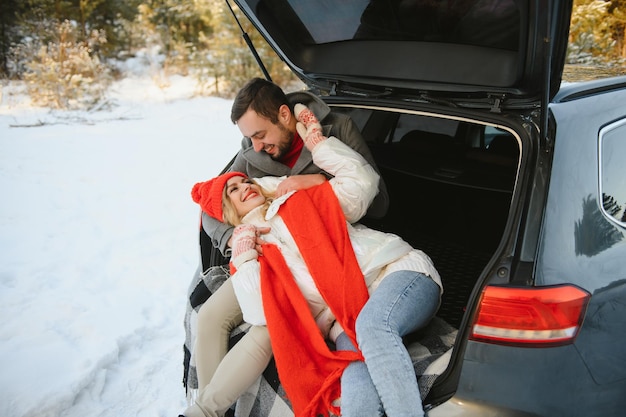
(244, 243)
(309, 128)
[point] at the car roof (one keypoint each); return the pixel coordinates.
(452, 48)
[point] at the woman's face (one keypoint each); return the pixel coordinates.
(244, 195)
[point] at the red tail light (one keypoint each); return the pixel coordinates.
(540, 316)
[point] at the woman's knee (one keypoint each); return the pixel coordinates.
(256, 345)
(216, 316)
(372, 320)
(260, 334)
(405, 300)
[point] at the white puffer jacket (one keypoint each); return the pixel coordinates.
(355, 183)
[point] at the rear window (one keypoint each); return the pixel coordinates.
(408, 123)
(491, 23)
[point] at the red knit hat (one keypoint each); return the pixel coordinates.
(209, 194)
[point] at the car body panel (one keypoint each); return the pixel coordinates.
(529, 382)
(580, 244)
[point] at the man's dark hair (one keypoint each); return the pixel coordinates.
(262, 96)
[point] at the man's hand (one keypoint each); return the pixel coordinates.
(299, 182)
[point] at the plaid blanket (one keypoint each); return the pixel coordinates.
(430, 349)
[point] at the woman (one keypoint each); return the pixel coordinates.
(321, 278)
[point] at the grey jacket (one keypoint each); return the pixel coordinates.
(260, 164)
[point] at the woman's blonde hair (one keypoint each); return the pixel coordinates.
(230, 214)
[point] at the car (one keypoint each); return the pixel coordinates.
(513, 181)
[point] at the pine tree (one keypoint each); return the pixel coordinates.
(9, 31)
(617, 12)
(610, 205)
(593, 233)
(64, 73)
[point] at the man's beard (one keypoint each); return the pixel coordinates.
(285, 143)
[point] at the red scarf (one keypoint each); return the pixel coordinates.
(309, 371)
(294, 151)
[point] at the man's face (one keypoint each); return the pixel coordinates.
(273, 139)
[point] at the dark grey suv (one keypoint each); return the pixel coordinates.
(513, 183)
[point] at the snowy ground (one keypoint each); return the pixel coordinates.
(98, 244)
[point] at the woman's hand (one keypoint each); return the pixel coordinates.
(244, 244)
(245, 237)
(308, 127)
(258, 241)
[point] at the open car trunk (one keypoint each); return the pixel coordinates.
(451, 183)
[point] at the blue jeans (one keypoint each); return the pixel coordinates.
(386, 383)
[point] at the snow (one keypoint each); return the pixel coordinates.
(98, 245)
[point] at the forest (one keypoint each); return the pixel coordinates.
(67, 52)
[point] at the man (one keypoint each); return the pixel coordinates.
(272, 146)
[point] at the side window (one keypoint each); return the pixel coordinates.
(612, 175)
